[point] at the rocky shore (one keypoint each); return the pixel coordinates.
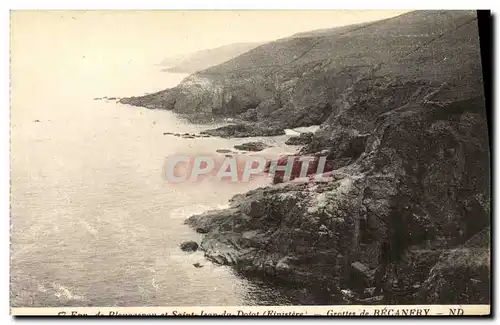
(403, 121)
(323, 232)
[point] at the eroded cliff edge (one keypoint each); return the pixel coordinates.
(402, 115)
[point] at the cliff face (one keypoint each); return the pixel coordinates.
(402, 115)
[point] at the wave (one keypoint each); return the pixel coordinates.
(185, 212)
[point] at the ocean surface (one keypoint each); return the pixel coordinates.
(93, 222)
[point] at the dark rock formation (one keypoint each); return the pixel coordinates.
(201, 60)
(243, 131)
(251, 146)
(303, 139)
(224, 151)
(189, 246)
(186, 135)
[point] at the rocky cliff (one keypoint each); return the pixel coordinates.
(402, 115)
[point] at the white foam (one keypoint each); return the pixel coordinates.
(189, 210)
(291, 132)
(64, 292)
(302, 129)
(154, 284)
(311, 128)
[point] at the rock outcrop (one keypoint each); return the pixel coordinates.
(243, 130)
(461, 274)
(303, 139)
(426, 165)
(251, 146)
(204, 59)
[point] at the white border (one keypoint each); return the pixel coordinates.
(256, 4)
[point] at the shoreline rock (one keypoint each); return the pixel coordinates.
(251, 146)
(243, 131)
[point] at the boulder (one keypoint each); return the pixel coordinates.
(189, 246)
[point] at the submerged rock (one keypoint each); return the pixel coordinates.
(243, 131)
(189, 246)
(251, 146)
